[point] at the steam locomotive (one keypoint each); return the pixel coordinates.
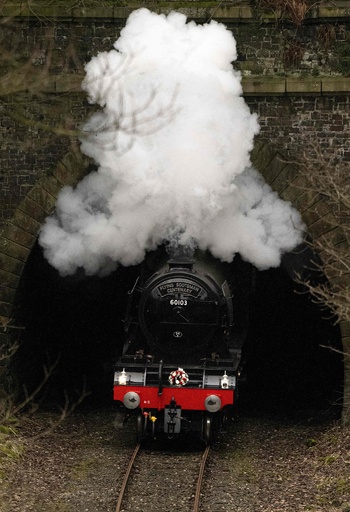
(181, 360)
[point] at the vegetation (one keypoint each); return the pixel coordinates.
(328, 180)
(293, 10)
(329, 177)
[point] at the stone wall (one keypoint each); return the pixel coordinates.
(298, 100)
(293, 123)
(287, 122)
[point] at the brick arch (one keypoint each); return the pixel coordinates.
(291, 186)
(21, 231)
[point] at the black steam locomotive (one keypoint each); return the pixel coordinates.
(181, 360)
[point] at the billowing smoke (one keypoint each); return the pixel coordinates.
(171, 138)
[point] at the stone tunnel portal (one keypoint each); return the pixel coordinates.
(76, 323)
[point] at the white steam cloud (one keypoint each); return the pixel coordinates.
(172, 140)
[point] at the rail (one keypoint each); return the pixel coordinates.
(200, 479)
(126, 478)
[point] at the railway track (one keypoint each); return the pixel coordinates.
(163, 480)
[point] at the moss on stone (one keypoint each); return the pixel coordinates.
(342, 54)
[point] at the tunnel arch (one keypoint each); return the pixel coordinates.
(21, 232)
(292, 186)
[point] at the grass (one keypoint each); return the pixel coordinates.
(10, 447)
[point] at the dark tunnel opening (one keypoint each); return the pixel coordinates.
(73, 323)
(293, 355)
(76, 322)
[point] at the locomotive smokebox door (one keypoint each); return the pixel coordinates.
(172, 420)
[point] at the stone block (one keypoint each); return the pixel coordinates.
(260, 86)
(122, 12)
(321, 208)
(341, 240)
(334, 11)
(336, 237)
(273, 169)
(271, 15)
(64, 175)
(345, 327)
(296, 196)
(246, 12)
(19, 235)
(307, 200)
(43, 198)
(227, 12)
(300, 203)
(294, 190)
(76, 165)
(336, 85)
(287, 174)
(51, 185)
(101, 11)
(263, 158)
(193, 11)
(19, 252)
(321, 226)
(51, 10)
(6, 309)
(258, 145)
(33, 209)
(337, 275)
(8, 264)
(10, 10)
(314, 207)
(303, 86)
(8, 279)
(7, 294)
(68, 83)
(24, 221)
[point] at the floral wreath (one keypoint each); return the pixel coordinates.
(178, 377)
